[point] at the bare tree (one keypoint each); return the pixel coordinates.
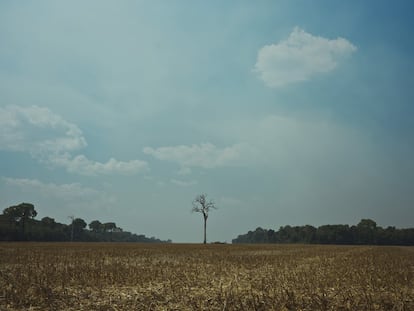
(201, 205)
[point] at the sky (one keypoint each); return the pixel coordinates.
(282, 112)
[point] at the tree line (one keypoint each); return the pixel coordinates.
(365, 232)
(18, 223)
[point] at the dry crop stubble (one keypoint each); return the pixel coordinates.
(109, 276)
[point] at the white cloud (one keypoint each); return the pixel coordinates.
(183, 183)
(205, 155)
(277, 142)
(299, 57)
(64, 191)
(82, 165)
(37, 130)
(52, 140)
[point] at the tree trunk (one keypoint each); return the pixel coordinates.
(205, 231)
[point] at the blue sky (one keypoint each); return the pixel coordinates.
(283, 112)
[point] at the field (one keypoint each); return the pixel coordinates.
(80, 276)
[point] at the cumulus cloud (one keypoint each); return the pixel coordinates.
(205, 155)
(53, 140)
(278, 142)
(63, 191)
(82, 165)
(38, 131)
(299, 57)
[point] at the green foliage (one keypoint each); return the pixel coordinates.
(21, 212)
(48, 222)
(17, 223)
(109, 226)
(19, 217)
(366, 232)
(95, 226)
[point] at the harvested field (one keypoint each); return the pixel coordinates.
(98, 276)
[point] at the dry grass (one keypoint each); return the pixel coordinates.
(71, 276)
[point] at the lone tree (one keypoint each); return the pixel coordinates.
(201, 205)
